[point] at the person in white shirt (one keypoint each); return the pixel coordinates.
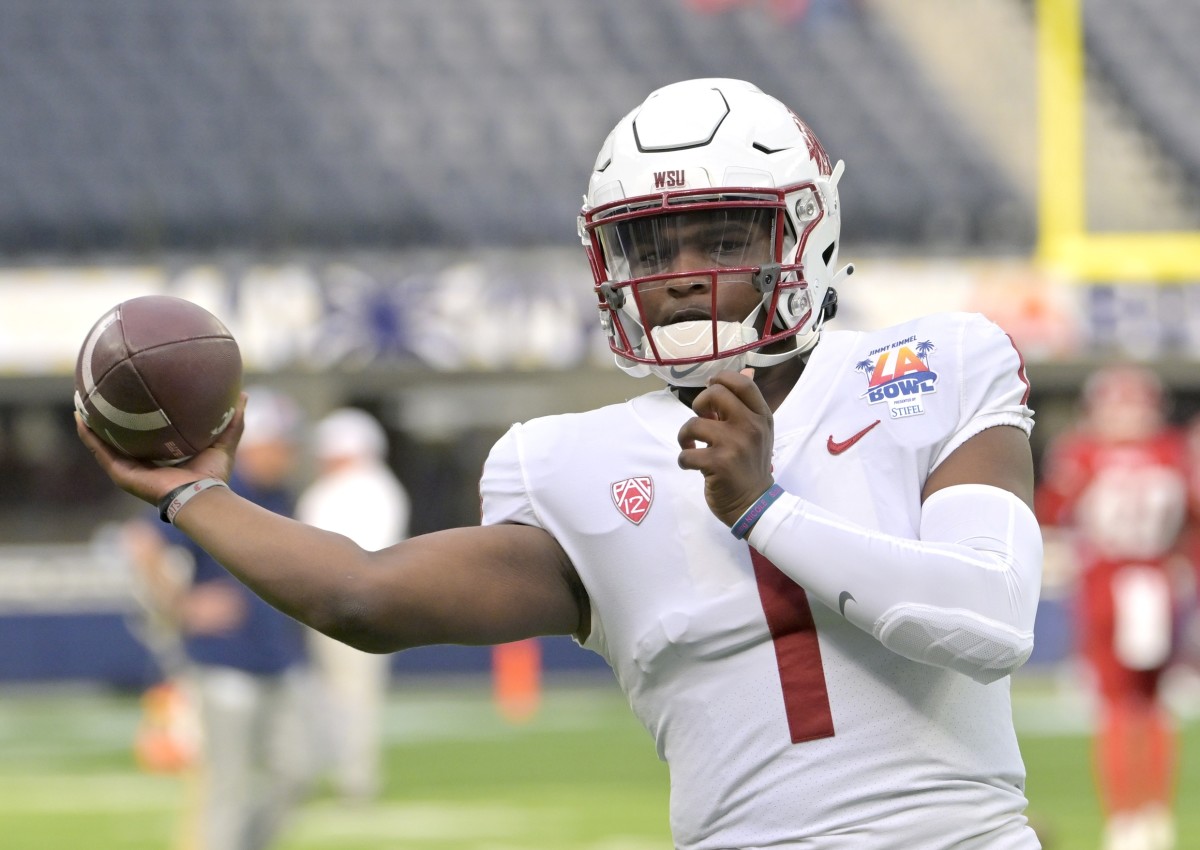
(810, 559)
(355, 493)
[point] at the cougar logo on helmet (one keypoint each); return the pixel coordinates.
(815, 149)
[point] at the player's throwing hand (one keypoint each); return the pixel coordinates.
(149, 482)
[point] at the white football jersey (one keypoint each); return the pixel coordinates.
(783, 725)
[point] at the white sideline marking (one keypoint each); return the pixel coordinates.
(323, 823)
(96, 792)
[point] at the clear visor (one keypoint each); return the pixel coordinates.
(697, 240)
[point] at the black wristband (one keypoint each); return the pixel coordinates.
(165, 501)
(170, 504)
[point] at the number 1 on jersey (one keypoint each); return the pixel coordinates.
(797, 652)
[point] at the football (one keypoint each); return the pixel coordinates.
(157, 378)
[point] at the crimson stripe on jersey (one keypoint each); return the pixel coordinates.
(1020, 369)
(797, 651)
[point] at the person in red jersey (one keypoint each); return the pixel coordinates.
(1116, 484)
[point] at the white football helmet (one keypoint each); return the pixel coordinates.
(722, 155)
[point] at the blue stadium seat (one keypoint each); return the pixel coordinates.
(167, 124)
(1147, 50)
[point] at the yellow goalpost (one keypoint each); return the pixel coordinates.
(1064, 241)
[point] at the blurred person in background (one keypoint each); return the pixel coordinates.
(1188, 668)
(811, 559)
(245, 669)
(354, 493)
(1116, 484)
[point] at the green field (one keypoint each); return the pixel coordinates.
(581, 776)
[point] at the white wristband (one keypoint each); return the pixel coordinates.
(176, 499)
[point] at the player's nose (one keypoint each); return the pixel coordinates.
(689, 266)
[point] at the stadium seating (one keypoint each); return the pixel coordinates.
(1147, 50)
(163, 125)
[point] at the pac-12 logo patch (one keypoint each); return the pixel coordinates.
(633, 497)
(899, 375)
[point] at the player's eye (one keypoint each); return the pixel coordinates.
(652, 260)
(729, 250)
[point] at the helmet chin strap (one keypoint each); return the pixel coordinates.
(762, 358)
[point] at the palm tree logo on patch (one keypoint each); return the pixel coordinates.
(900, 375)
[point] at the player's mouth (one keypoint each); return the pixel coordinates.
(688, 314)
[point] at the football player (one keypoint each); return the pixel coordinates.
(1117, 485)
(810, 559)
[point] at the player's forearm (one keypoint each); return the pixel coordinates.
(964, 596)
(478, 585)
(320, 578)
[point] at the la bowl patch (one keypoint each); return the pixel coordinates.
(899, 376)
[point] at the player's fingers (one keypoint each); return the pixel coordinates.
(698, 431)
(119, 467)
(126, 473)
(232, 434)
(140, 479)
(715, 402)
(742, 386)
(692, 457)
(719, 401)
(99, 449)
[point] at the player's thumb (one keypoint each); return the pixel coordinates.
(229, 437)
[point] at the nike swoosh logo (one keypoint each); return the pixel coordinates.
(683, 373)
(844, 597)
(836, 448)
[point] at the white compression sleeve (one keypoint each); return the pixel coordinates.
(963, 596)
